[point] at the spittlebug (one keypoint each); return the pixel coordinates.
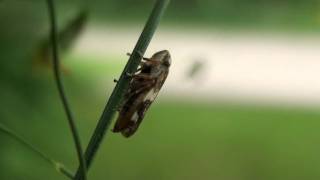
(143, 89)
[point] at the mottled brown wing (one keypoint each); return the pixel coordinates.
(136, 118)
(161, 79)
(144, 102)
(137, 100)
(130, 104)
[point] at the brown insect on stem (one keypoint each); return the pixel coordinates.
(143, 89)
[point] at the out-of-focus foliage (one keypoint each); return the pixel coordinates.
(177, 140)
(220, 13)
(67, 38)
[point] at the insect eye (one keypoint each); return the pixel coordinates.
(167, 62)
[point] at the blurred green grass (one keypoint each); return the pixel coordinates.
(179, 139)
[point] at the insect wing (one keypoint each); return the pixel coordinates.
(143, 89)
(130, 104)
(131, 114)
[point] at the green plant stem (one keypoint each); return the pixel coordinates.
(58, 166)
(56, 70)
(123, 83)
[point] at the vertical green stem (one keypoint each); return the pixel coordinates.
(56, 70)
(123, 82)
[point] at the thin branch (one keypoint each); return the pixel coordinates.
(58, 166)
(56, 69)
(123, 83)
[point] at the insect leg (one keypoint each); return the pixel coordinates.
(140, 54)
(139, 75)
(147, 59)
(129, 74)
(143, 76)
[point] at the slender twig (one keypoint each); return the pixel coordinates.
(56, 69)
(123, 83)
(58, 166)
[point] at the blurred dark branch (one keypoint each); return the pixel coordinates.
(56, 70)
(123, 83)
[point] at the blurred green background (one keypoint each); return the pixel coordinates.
(180, 138)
